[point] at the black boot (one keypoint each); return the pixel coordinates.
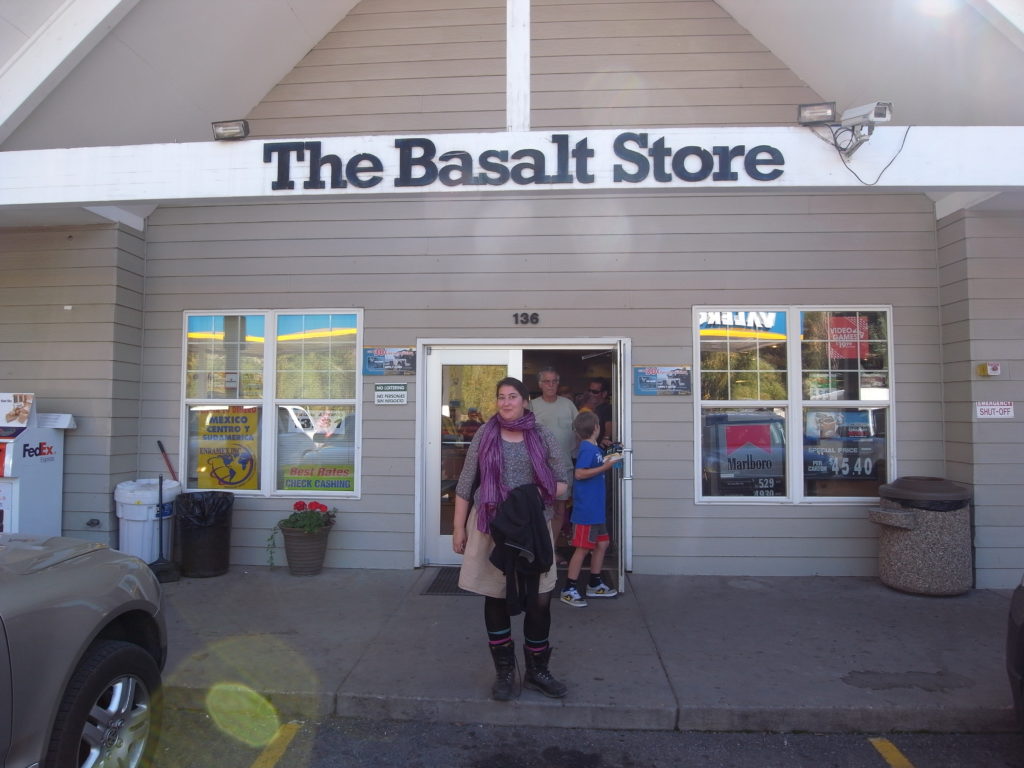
(538, 677)
(504, 688)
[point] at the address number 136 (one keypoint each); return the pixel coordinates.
(526, 318)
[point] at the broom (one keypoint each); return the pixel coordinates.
(162, 568)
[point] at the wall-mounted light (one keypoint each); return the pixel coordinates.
(822, 113)
(230, 130)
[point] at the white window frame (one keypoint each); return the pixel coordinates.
(269, 402)
(794, 405)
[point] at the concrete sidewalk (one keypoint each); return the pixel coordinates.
(818, 654)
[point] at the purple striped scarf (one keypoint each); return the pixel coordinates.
(492, 490)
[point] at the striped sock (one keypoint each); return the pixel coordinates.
(502, 637)
(535, 646)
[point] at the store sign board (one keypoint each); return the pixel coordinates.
(679, 158)
(421, 162)
(994, 409)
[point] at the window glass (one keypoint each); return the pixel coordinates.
(305, 378)
(224, 357)
(844, 451)
(743, 355)
(839, 402)
(844, 355)
(316, 356)
(743, 451)
(224, 447)
(316, 446)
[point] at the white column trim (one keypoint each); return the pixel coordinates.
(517, 65)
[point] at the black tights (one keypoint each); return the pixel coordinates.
(536, 622)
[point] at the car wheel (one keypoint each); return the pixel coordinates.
(107, 716)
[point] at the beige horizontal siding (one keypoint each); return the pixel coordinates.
(598, 64)
(459, 265)
(981, 273)
(433, 66)
(412, 67)
(70, 331)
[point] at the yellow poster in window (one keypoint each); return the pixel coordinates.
(228, 451)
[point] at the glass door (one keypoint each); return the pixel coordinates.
(460, 397)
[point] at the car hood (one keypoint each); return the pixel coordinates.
(21, 555)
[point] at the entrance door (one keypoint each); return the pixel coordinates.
(458, 380)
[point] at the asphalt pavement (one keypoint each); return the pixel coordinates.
(718, 653)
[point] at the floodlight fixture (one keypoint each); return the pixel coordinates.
(230, 130)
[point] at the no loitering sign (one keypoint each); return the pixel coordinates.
(390, 394)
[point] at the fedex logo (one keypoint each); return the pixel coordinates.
(43, 449)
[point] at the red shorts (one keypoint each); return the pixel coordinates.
(587, 536)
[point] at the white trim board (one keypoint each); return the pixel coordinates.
(940, 159)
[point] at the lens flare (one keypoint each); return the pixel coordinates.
(242, 713)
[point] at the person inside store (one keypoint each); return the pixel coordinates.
(556, 414)
(596, 400)
(473, 422)
(510, 453)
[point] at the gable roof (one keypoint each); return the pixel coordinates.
(115, 72)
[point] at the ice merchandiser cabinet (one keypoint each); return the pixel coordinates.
(31, 466)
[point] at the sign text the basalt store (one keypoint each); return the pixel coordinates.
(418, 162)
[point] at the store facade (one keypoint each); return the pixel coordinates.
(311, 313)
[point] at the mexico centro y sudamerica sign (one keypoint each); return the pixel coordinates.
(417, 162)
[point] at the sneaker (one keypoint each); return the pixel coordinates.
(572, 597)
(601, 590)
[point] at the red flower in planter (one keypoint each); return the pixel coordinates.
(309, 517)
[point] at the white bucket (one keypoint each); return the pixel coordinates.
(138, 512)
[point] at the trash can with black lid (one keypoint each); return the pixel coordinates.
(925, 545)
(203, 540)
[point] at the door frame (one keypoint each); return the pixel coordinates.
(623, 403)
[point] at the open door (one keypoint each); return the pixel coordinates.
(458, 379)
(461, 376)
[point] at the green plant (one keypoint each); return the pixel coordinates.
(306, 517)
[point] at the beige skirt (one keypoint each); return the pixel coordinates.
(479, 575)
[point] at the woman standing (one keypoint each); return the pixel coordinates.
(509, 451)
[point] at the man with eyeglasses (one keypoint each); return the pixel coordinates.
(556, 414)
(597, 401)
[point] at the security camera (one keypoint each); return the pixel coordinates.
(868, 114)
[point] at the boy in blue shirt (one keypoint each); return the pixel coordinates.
(589, 530)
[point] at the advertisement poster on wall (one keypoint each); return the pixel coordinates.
(389, 361)
(661, 380)
(228, 449)
(15, 409)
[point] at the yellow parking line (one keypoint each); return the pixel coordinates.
(892, 755)
(275, 749)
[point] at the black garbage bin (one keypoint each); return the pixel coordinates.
(925, 545)
(203, 540)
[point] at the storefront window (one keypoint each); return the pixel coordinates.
(841, 393)
(743, 355)
(311, 364)
(744, 451)
(845, 358)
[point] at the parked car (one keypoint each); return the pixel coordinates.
(1015, 651)
(82, 647)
